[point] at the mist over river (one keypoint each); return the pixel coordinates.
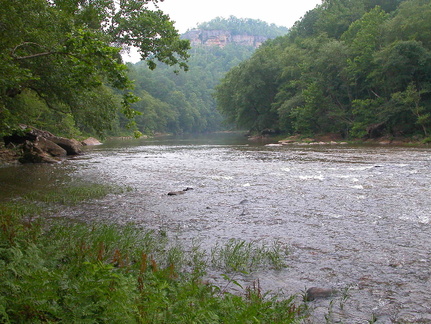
(355, 218)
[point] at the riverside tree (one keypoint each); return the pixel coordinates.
(356, 68)
(61, 62)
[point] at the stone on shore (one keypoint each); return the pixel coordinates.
(91, 141)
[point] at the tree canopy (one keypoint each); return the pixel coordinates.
(184, 102)
(348, 67)
(61, 62)
(244, 26)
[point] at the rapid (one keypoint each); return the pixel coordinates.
(354, 218)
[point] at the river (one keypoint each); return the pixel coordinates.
(354, 218)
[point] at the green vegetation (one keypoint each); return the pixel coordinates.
(244, 26)
(355, 68)
(61, 62)
(184, 103)
(63, 271)
(74, 193)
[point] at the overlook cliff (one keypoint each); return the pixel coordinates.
(221, 38)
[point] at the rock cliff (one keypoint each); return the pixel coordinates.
(221, 38)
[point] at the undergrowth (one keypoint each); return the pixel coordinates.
(61, 271)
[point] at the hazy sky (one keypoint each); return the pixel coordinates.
(188, 13)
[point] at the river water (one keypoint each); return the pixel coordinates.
(354, 218)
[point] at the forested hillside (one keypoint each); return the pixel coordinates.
(244, 26)
(357, 68)
(183, 102)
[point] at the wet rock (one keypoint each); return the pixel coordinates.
(32, 153)
(319, 293)
(91, 141)
(72, 146)
(181, 192)
(49, 147)
(39, 146)
(176, 193)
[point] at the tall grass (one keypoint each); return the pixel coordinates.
(61, 271)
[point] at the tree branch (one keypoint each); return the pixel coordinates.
(16, 57)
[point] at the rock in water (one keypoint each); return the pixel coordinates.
(176, 193)
(316, 293)
(50, 147)
(32, 153)
(72, 146)
(40, 146)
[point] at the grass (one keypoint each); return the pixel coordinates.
(239, 255)
(61, 271)
(75, 193)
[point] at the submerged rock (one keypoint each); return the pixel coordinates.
(317, 293)
(176, 193)
(181, 192)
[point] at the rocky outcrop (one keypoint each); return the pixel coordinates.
(221, 38)
(40, 146)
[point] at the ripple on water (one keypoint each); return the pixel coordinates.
(354, 218)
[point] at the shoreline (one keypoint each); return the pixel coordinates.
(10, 157)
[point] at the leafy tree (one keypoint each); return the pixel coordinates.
(364, 38)
(337, 15)
(189, 96)
(246, 94)
(411, 22)
(66, 51)
(358, 68)
(244, 26)
(411, 100)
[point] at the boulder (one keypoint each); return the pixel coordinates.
(91, 141)
(40, 146)
(49, 147)
(72, 146)
(32, 153)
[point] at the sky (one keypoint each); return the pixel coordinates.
(188, 13)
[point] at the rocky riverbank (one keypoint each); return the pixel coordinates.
(32, 145)
(333, 139)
